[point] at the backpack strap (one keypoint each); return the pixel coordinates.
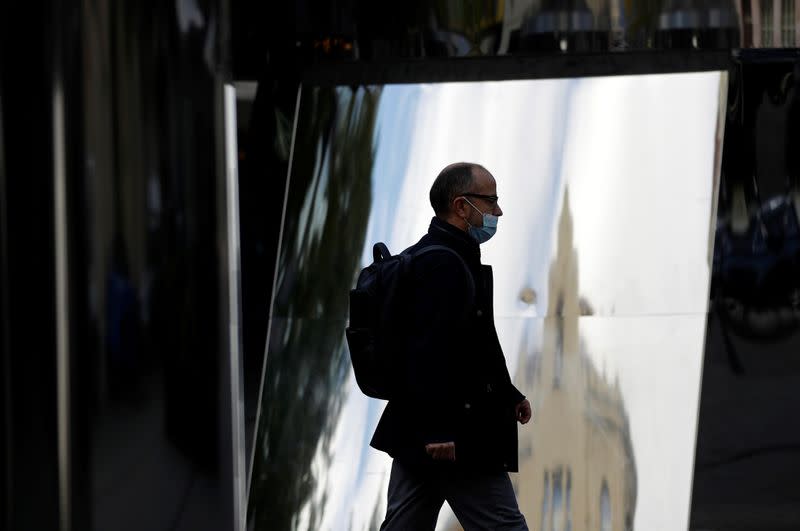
(432, 248)
(380, 252)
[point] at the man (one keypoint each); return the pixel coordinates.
(452, 428)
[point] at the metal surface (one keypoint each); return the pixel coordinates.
(124, 407)
(31, 467)
(263, 367)
(438, 70)
(748, 444)
(601, 288)
(60, 229)
(159, 273)
(296, 35)
(5, 374)
(230, 270)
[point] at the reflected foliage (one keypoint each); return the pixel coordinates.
(307, 363)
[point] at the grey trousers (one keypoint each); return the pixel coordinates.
(483, 501)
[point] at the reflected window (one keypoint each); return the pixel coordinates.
(787, 23)
(766, 23)
(605, 508)
(558, 362)
(545, 501)
(568, 503)
(557, 510)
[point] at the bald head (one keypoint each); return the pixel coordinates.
(452, 181)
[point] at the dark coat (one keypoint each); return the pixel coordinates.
(454, 385)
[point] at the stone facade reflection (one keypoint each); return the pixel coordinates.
(577, 468)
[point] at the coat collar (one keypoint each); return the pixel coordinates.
(456, 238)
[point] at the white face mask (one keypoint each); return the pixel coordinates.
(485, 232)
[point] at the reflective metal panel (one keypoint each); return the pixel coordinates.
(345, 31)
(264, 148)
(124, 405)
(748, 480)
(307, 364)
(601, 268)
(36, 72)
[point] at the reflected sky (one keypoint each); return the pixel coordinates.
(630, 162)
(638, 173)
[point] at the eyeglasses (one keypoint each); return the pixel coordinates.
(491, 199)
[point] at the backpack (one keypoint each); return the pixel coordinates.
(378, 311)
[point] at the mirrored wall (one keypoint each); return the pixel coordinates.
(601, 263)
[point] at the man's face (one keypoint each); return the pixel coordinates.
(483, 195)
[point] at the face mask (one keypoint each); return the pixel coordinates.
(489, 228)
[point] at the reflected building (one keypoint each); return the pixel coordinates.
(577, 468)
(686, 24)
(770, 23)
(563, 25)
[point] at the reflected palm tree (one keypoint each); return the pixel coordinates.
(307, 365)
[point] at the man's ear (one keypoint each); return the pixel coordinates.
(458, 206)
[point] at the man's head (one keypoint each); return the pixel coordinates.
(462, 193)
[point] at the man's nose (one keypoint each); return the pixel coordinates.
(497, 210)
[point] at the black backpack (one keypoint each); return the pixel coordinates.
(378, 312)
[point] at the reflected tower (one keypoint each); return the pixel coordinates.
(577, 468)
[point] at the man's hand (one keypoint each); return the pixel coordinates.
(442, 451)
(523, 412)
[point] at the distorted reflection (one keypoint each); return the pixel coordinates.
(752, 368)
(491, 27)
(582, 428)
(756, 262)
(307, 365)
(755, 283)
(601, 279)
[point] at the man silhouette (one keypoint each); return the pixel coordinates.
(451, 429)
